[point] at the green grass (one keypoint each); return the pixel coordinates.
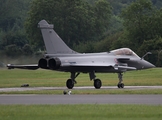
(80, 112)
(15, 78)
(46, 78)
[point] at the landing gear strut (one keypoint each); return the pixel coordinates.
(97, 82)
(70, 82)
(120, 84)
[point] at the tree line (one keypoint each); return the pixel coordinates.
(85, 25)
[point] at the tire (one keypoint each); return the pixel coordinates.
(69, 84)
(97, 83)
(120, 85)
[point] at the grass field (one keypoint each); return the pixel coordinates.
(46, 78)
(80, 112)
(15, 78)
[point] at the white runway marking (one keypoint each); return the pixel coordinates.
(75, 88)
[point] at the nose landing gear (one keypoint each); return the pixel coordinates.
(120, 84)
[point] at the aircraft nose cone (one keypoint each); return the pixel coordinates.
(147, 65)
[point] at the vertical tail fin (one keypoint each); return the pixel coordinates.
(54, 44)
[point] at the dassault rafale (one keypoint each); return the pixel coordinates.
(60, 57)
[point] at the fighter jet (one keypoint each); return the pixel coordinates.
(60, 57)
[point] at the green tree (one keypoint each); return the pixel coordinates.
(153, 46)
(12, 50)
(142, 23)
(12, 16)
(17, 38)
(27, 50)
(73, 20)
(102, 14)
(137, 20)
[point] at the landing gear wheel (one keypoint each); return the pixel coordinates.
(69, 84)
(120, 85)
(97, 83)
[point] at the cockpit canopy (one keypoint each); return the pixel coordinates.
(124, 51)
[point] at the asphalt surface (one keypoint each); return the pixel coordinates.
(81, 99)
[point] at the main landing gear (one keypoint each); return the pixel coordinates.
(70, 82)
(120, 84)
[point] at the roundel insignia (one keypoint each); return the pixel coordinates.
(116, 61)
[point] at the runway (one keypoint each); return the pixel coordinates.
(76, 88)
(81, 99)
